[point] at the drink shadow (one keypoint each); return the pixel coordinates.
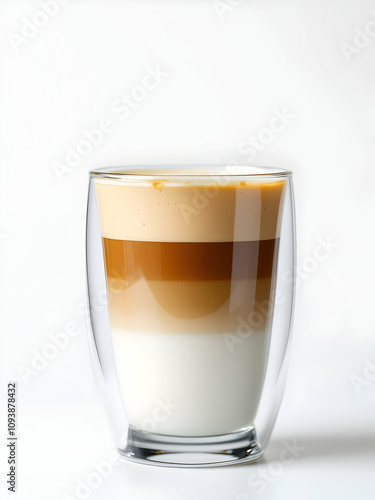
(138, 482)
(234, 482)
(325, 446)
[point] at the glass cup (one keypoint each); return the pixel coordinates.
(191, 305)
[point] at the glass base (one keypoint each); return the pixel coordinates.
(212, 451)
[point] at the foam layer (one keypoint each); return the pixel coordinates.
(192, 211)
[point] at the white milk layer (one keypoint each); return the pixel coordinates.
(189, 384)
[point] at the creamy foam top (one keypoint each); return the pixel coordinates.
(192, 211)
(179, 171)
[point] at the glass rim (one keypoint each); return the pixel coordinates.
(190, 171)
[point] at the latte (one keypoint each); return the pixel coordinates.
(191, 275)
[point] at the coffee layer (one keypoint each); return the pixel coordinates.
(188, 280)
(192, 261)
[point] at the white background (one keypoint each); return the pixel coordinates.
(227, 70)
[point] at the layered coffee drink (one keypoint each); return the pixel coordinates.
(191, 277)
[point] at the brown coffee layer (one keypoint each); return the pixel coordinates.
(166, 261)
(188, 280)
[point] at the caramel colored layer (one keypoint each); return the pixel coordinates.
(188, 280)
(165, 261)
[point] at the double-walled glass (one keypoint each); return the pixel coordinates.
(191, 305)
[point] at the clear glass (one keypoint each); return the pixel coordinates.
(191, 304)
